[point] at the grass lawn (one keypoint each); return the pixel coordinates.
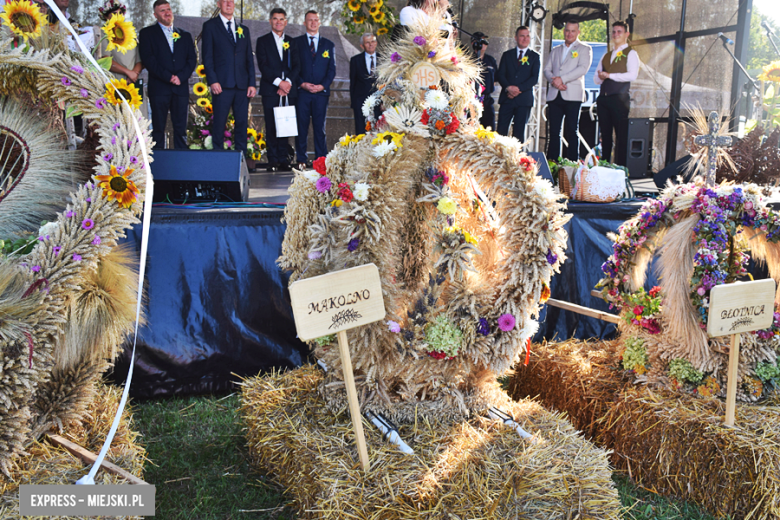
(199, 462)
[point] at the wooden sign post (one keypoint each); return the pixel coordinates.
(736, 308)
(334, 303)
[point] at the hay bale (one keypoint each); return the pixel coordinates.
(470, 469)
(671, 443)
(48, 464)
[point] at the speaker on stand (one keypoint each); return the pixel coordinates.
(639, 146)
(199, 176)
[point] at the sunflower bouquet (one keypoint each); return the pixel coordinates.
(368, 15)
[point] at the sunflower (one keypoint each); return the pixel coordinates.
(119, 86)
(200, 88)
(256, 156)
(261, 144)
(201, 71)
(359, 19)
(120, 33)
(209, 108)
(378, 4)
(378, 17)
(117, 186)
(381, 31)
(771, 72)
(354, 5)
(373, 10)
(202, 102)
(24, 18)
(251, 132)
(390, 137)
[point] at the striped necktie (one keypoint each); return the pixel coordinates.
(230, 30)
(311, 46)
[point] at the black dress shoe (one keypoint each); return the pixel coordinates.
(272, 168)
(301, 166)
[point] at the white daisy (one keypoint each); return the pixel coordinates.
(208, 143)
(544, 189)
(311, 175)
(361, 191)
(47, 229)
(529, 331)
(406, 120)
(384, 148)
(368, 105)
(436, 99)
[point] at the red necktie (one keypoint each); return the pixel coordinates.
(311, 46)
(372, 65)
(520, 57)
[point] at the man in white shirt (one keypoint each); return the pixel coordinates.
(615, 73)
(362, 79)
(565, 72)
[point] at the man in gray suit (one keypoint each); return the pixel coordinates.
(565, 71)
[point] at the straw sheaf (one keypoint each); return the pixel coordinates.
(466, 469)
(60, 274)
(667, 442)
(46, 464)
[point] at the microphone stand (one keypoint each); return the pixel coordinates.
(752, 84)
(771, 40)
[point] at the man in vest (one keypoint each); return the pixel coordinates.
(615, 73)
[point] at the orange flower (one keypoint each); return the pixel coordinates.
(117, 186)
(545, 293)
(440, 125)
(368, 126)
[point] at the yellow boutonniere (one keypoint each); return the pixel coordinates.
(524, 61)
(575, 54)
(176, 36)
(285, 45)
(619, 56)
(240, 32)
(326, 54)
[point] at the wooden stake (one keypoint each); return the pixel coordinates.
(579, 309)
(90, 458)
(731, 389)
(354, 405)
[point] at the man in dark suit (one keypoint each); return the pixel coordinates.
(517, 74)
(279, 66)
(168, 53)
(362, 81)
(318, 68)
(230, 72)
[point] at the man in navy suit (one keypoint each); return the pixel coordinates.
(279, 66)
(517, 74)
(362, 81)
(168, 53)
(318, 68)
(230, 72)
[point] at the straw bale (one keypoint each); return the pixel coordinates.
(475, 468)
(48, 464)
(668, 442)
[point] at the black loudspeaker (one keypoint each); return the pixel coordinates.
(199, 176)
(639, 146)
(544, 168)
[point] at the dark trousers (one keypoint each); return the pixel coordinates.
(488, 118)
(314, 107)
(360, 121)
(557, 110)
(276, 147)
(520, 114)
(178, 106)
(230, 98)
(613, 115)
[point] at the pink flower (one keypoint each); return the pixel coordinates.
(701, 291)
(506, 322)
(76, 258)
(87, 223)
(638, 310)
(65, 81)
(393, 326)
(323, 185)
(96, 241)
(315, 255)
(84, 93)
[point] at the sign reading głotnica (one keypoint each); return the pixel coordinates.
(741, 307)
(337, 301)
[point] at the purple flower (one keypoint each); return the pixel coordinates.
(483, 327)
(77, 69)
(96, 241)
(228, 143)
(69, 213)
(87, 223)
(65, 81)
(419, 40)
(56, 250)
(551, 257)
(204, 132)
(76, 258)
(432, 54)
(506, 322)
(395, 57)
(36, 268)
(227, 133)
(134, 159)
(108, 156)
(353, 244)
(315, 255)
(113, 140)
(323, 184)
(115, 127)
(393, 326)
(129, 143)
(89, 199)
(100, 103)
(84, 93)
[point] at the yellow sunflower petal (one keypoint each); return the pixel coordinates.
(120, 33)
(202, 102)
(200, 88)
(117, 186)
(201, 71)
(129, 91)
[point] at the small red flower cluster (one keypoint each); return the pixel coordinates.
(319, 166)
(439, 355)
(527, 163)
(453, 126)
(345, 193)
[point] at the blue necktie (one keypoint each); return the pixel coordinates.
(232, 36)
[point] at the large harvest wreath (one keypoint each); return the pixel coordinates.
(465, 234)
(64, 305)
(705, 236)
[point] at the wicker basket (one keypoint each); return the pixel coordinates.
(565, 180)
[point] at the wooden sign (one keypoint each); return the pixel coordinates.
(423, 74)
(334, 303)
(736, 308)
(337, 301)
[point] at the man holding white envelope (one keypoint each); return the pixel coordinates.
(279, 66)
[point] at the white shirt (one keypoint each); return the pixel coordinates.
(232, 25)
(316, 41)
(279, 40)
(566, 49)
(168, 32)
(632, 67)
(368, 61)
(521, 53)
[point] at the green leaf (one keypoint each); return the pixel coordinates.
(769, 92)
(72, 111)
(106, 62)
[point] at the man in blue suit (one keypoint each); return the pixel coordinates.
(168, 53)
(318, 68)
(279, 66)
(517, 74)
(230, 72)
(362, 80)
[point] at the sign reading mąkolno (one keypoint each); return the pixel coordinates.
(332, 304)
(736, 308)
